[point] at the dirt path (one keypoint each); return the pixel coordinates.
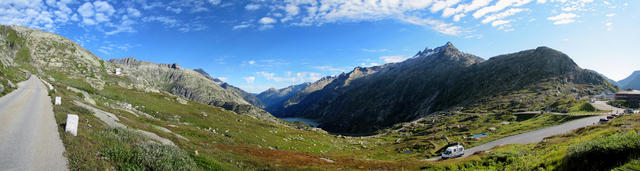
(29, 137)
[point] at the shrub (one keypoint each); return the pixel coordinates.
(162, 157)
(604, 153)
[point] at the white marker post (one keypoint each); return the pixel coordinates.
(58, 100)
(72, 124)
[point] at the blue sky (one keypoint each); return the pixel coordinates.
(258, 44)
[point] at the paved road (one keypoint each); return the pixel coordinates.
(533, 136)
(602, 105)
(29, 137)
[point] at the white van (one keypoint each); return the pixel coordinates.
(453, 152)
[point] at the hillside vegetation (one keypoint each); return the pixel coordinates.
(163, 117)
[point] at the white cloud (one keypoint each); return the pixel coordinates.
(252, 7)
(500, 22)
(251, 62)
(442, 4)
(249, 79)
(292, 10)
(86, 9)
(393, 59)
(439, 26)
(502, 15)
(240, 26)
(611, 15)
(499, 6)
(609, 26)
(215, 2)
(174, 10)
(297, 78)
(457, 17)
(267, 20)
(331, 68)
(375, 50)
(564, 18)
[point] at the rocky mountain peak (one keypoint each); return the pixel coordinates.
(448, 47)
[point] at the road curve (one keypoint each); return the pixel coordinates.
(29, 137)
(535, 136)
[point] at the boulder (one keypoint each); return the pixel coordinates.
(11, 84)
(72, 124)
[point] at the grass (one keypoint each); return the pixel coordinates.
(598, 147)
(603, 153)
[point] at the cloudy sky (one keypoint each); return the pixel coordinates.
(258, 44)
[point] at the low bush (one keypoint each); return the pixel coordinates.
(144, 155)
(603, 154)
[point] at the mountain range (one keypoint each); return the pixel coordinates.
(631, 82)
(369, 99)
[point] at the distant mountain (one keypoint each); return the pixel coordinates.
(369, 99)
(273, 98)
(615, 83)
(633, 81)
(279, 100)
(189, 84)
(245, 95)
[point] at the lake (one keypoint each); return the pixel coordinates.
(304, 120)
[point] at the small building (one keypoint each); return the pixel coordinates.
(118, 71)
(632, 97)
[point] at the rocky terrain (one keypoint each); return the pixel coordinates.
(187, 84)
(252, 99)
(440, 79)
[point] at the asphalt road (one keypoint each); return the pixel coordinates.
(535, 136)
(602, 105)
(531, 137)
(29, 137)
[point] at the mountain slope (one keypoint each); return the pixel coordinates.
(615, 83)
(633, 81)
(280, 109)
(186, 83)
(440, 79)
(252, 99)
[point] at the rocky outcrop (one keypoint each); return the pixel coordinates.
(187, 84)
(253, 100)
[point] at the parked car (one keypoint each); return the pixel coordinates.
(628, 111)
(604, 119)
(615, 115)
(453, 152)
(610, 117)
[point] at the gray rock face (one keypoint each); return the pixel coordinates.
(246, 96)
(369, 99)
(274, 99)
(187, 84)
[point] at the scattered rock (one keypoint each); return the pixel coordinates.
(203, 114)
(87, 97)
(492, 129)
(327, 160)
(11, 85)
(505, 123)
(58, 100)
(196, 152)
(181, 101)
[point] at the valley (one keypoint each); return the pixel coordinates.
(533, 106)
